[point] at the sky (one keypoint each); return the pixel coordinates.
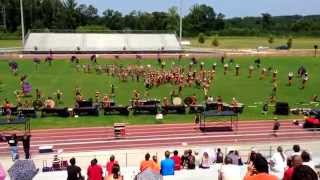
(230, 8)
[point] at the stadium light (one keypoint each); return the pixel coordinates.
(180, 35)
(22, 21)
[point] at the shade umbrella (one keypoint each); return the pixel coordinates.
(149, 175)
(22, 170)
(2, 173)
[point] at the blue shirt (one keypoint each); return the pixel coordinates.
(167, 167)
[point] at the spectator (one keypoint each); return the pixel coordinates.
(184, 159)
(278, 163)
(251, 156)
(156, 166)
(13, 144)
(26, 145)
(234, 157)
(295, 162)
(306, 160)
(304, 172)
(205, 161)
(115, 173)
(147, 163)
(296, 150)
(236, 153)
(229, 171)
(177, 160)
(110, 164)
(197, 159)
(74, 172)
(219, 158)
(94, 171)
(191, 160)
(167, 165)
(259, 170)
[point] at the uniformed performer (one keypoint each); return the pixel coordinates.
(304, 80)
(237, 69)
(263, 73)
(274, 76)
(290, 76)
(250, 71)
(225, 68)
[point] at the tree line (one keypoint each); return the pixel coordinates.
(201, 18)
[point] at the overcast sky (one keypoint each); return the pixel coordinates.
(231, 8)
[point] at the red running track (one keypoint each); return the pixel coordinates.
(164, 135)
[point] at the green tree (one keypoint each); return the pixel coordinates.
(201, 38)
(266, 21)
(172, 19)
(113, 19)
(201, 19)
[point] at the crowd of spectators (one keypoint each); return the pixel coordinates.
(297, 165)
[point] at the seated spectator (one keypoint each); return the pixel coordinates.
(235, 158)
(296, 150)
(205, 161)
(74, 171)
(306, 160)
(184, 159)
(177, 160)
(191, 160)
(197, 159)
(229, 171)
(251, 156)
(56, 162)
(94, 171)
(278, 163)
(156, 166)
(147, 163)
(236, 153)
(295, 162)
(115, 173)
(110, 164)
(304, 172)
(219, 158)
(259, 170)
(167, 165)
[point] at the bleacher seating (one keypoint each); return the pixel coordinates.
(92, 42)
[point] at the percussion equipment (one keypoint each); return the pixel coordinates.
(177, 101)
(188, 100)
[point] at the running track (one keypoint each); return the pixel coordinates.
(164, 135)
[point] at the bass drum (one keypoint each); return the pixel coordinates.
(177, 101)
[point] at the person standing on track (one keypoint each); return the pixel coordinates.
(26, 145)
(276, 127)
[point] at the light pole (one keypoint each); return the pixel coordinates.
(22, 21)
(180, 35)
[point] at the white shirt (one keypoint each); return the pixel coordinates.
(230, 172)
(278, 166)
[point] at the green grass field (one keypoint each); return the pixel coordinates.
(10, 43)
(229, 42)
(252, 92)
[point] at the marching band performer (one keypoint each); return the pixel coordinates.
(237, 69)
(290, 76)
(263, 73)
(304, 80)
(225, 68)
(250, 71)
(274, 76)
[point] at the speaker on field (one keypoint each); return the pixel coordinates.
(282, 108)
